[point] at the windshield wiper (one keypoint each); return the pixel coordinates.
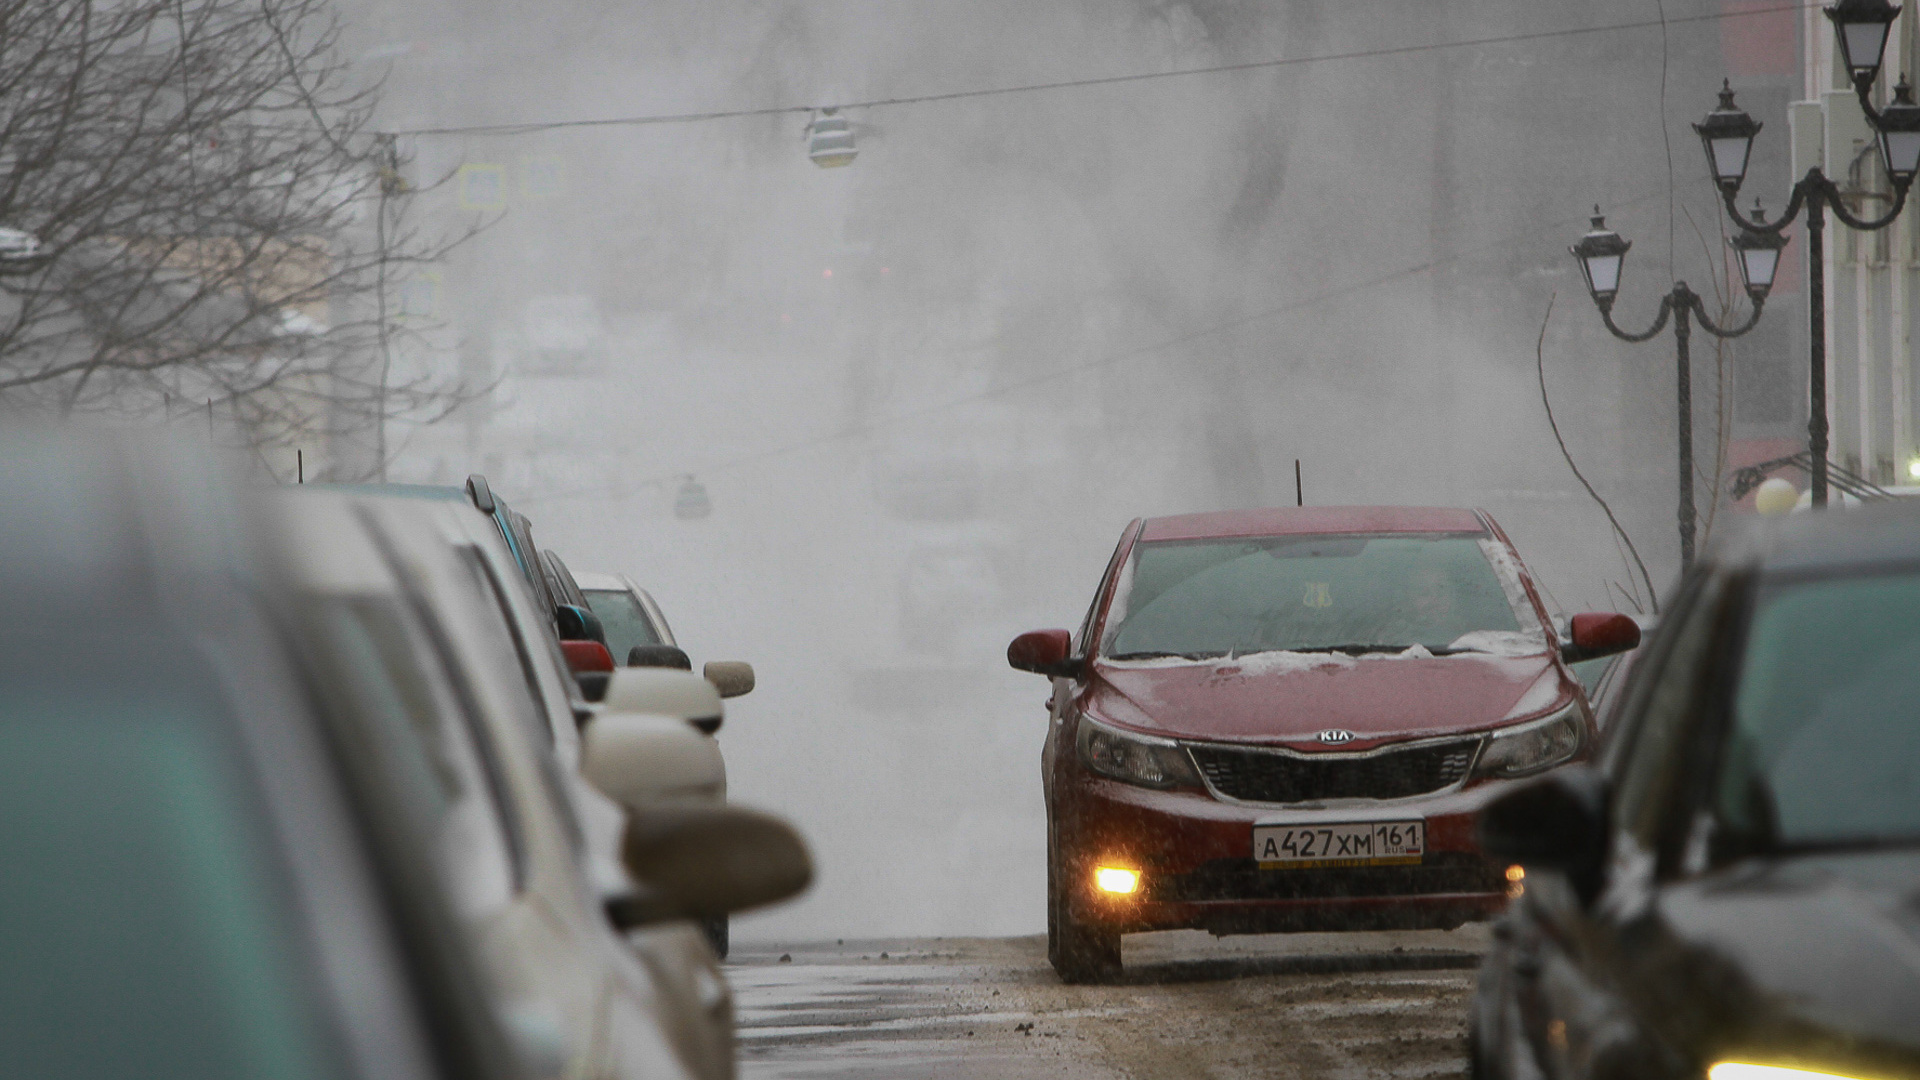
(1353, 650)
(1156, 654)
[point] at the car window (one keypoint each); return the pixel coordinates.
(624, 620)
(1662, 709)
(1822, 748)
(1591, 672)
(142, 920)
(1220, 597)
(431, 737)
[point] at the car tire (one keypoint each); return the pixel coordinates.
(1078, 952)
(716, 931)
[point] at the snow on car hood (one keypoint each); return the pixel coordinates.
(1289, 697)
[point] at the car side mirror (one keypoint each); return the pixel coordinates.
(1045, 652)
(708, 861)
(585, 656)
(733, 678)
(665, 692)
(1557, 822)
(1595, 634)
(666, 656)
(642, 762)
(571, 622)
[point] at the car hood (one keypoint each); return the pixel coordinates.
(1284, 697)
(1809, 953)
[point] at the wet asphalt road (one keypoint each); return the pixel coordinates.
(1330, 1006)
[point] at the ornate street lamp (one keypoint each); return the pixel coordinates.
(1758, 255)
(1862, 26)
(1602, 252)
(1727, 134)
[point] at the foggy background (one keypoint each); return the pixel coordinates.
(925, 393)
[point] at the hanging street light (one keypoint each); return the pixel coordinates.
(691, 502)
(1727, 136)
(1602, 253)
(830, 140)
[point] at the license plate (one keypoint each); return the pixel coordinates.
(1365, 843)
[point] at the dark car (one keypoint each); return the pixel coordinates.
(204, 876)
(1285, 720)
(1733, 889)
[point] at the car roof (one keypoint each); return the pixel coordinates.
(1294, 520)
(1885, 532)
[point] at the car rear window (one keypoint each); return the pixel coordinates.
(142, 917)
(1210, 598)
(1822, 749)
(624, 620)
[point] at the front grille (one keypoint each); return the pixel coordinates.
(1282, 776)
(1243, 879)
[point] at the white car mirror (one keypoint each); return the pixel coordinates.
(705, 862)
(665, 692)
(732, 678)
(643, 761)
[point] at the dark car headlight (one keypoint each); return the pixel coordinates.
(1134, 759)
(1525, 749)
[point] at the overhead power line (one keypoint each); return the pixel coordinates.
(1110, 80)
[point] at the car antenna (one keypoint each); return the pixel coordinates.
(1299, 493)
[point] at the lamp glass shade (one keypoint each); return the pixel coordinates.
(1757, 266)
(1729, 156)
(1864, 44)
(1603, 273)
(1759, 257)
(1902, 151)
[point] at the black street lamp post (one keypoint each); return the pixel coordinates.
(1602, 253)
(1727, 136)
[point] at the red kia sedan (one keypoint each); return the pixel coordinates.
(1285, 720)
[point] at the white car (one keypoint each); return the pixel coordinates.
(535, 849)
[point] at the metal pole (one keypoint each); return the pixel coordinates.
(1682, 332)
(1817, 332)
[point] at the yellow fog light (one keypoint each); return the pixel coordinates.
(1517, 884)
(1741, 1070)
(1117, 879)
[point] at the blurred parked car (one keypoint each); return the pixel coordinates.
(638, 635)
(1284, 720)
(208, 872)
(1730, 891)
(456, 566)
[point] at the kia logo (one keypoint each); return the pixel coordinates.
(1335, 736)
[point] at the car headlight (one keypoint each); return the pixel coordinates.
(1135, 759)
(1742, 1070)
(1530, 748)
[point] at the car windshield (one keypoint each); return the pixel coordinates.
(144, 925)
(624, 620)
(1357, 593)
(1823, 749)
